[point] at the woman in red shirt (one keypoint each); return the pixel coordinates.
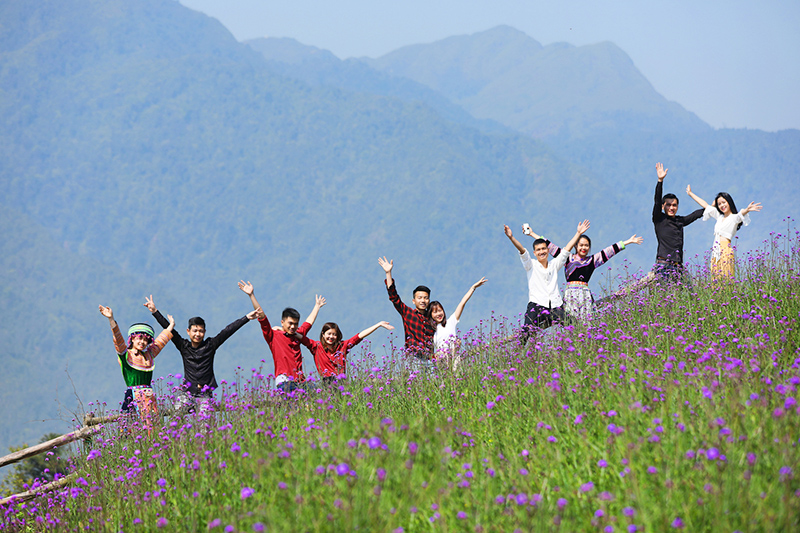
(330, 353)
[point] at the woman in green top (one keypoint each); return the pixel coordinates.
(137, 360)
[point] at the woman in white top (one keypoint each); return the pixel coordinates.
(445, 340)
(729, 220)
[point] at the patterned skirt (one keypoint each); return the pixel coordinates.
(141, 400)
(578, 301)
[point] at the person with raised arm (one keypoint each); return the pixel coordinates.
(580, 266)
(284, 341)
(669, 231)
(417, 328)
(330, 353)
(545, 304)
(197, 353)
(729, 221)
(137, 361)
(445, 340)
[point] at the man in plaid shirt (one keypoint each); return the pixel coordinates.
(416, 324)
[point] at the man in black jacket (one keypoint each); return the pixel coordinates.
(669, 231)
(198, 354)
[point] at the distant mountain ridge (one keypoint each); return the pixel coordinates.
(557, 91)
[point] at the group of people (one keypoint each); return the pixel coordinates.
(430, 335)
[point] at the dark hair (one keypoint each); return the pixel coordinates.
(429, 312)
(197, 321)
(669, 196)
(327, 326)
(290, 312)
(731, 204)
(537, 242)
(422, 288)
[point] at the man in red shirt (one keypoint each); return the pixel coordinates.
(284, 342)
(416, 324)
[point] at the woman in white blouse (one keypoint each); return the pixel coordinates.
(445, 341)
(723, 210)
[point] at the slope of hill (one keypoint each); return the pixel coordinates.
(556, 91)
(321, 68)
(158, 155)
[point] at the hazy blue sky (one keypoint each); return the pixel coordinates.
(735, 63)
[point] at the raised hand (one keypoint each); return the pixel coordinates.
(253, 314)
(661, 171)
(689, 190)
(385, 264)
(583, 227)
(107, 312)
(171, 321)
(479, 283)
(149, 304)
(246, 287)
(634, 240)
(385, 325)
(753, 206)
(320, 300)
(507, 231)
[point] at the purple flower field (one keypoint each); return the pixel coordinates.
(674, 408)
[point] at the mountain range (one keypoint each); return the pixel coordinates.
(144, 151)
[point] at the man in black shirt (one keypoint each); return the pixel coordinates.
(198, 354)
(669, 230)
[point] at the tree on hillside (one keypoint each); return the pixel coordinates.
(44, 467)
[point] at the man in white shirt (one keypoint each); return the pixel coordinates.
(544, 297)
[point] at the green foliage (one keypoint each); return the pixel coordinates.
(43, 467)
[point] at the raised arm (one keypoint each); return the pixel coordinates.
(696, 198)
(514, 241)
(119, 340)
(312, 316)
(370, 330)
(162, 339)
(162, 321)
(248, 289)
(387, 266)
(583, 227)
(658, 201)
(527, 230)
(752, 207)
(465, 299)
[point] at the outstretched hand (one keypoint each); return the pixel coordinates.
(386, 325)
(246, 287)
(689, 190)
(149, 304)
(661, 171)
(583, 227)
(252, 314)
(479, 283)
(107, 312)
(260, 314)
(386, 264)
(171, 321)
(754, 206)
(320, 300)
(634, 240)
(507, 231)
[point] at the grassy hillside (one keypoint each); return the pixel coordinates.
(675, 410)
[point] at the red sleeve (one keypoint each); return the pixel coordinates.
(266, 329)
(304, 328)
(349, 343)
(395, 298)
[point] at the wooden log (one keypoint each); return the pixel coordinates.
(31, 494)
(90, 420)
(46, 446)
